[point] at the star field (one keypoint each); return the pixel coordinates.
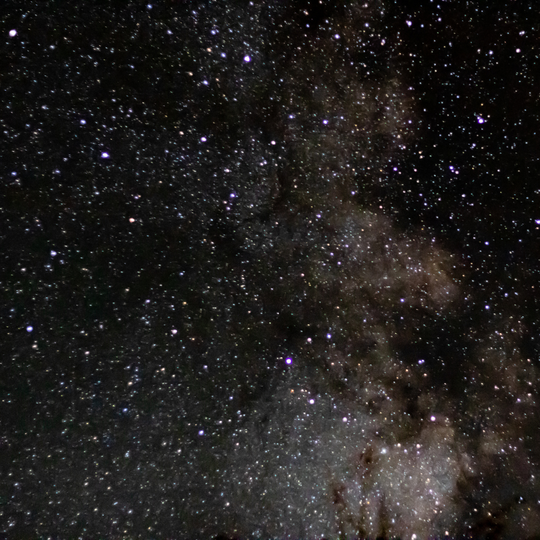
(270, 270)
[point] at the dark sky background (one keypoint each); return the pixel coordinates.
(269, 269)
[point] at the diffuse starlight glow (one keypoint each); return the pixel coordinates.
(292, 287)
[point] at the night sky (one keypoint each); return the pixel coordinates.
(269, 269)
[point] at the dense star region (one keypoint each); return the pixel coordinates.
(270, 269)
